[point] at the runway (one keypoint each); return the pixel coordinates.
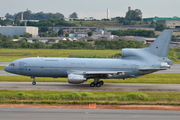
(85, 114)
(85, 87)
(175, 69)
(4, 73)
(4, 63)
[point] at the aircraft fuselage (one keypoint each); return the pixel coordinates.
(60, 67)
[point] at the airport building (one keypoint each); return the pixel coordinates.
(169, 22)
(145, 40)
(3, 18)
(18, 30)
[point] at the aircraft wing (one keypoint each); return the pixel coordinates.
(104, 72)
(97, 72)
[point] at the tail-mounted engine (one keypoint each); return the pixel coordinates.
(165, 65)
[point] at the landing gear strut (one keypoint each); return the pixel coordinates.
(96, 83)
(34, 81)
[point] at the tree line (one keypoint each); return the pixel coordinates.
(28, 15)
(49, 19)
(117, 44)
(6, 42)
(5, 22)
(144, 33)
(131, 17)
(52, 22)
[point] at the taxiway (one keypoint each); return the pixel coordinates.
(58, 86)
(85, 114)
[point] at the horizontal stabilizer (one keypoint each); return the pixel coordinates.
(149, 69)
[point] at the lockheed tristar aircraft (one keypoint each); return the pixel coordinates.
(133, 64)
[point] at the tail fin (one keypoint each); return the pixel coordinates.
(160, 46)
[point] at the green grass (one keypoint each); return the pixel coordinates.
(9, 55)
(151, 78)
(98, 23)
(84, 97)
(14, 54)
(105, 23)
(2, 67)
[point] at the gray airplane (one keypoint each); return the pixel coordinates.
(133, 64)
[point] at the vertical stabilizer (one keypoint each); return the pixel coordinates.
(160, 46)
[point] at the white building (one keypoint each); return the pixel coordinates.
(45, 39)
(18, 30)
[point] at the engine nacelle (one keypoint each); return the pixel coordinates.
(133, 52)
(165, 65)
(127, 52)
(76, 79)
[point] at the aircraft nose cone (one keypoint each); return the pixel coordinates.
(9, 69)
(6, 69)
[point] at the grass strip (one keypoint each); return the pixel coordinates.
(84, 97)
(9, 55)
(151, 78)
(2, 67)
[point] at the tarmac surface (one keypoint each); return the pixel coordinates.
(4, 73)
(175, 69)
(52, 86)
(4, 63)
(85, 114)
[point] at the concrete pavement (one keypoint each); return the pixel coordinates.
(85, 114)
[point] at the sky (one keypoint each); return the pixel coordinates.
(93, 8)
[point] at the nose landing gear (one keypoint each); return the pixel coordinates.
(34, 81)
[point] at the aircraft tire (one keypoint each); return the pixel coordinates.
(102, 82)
(33, 83)
(92, 84)
(98, 84)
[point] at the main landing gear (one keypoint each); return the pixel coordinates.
(96, 83)
(34, 81)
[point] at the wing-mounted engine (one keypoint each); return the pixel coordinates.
(76, 79)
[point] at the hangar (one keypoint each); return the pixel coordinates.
(169, 22)
(18, 30)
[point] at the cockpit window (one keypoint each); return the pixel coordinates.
(12, 64)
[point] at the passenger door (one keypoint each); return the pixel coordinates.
(21, 65)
